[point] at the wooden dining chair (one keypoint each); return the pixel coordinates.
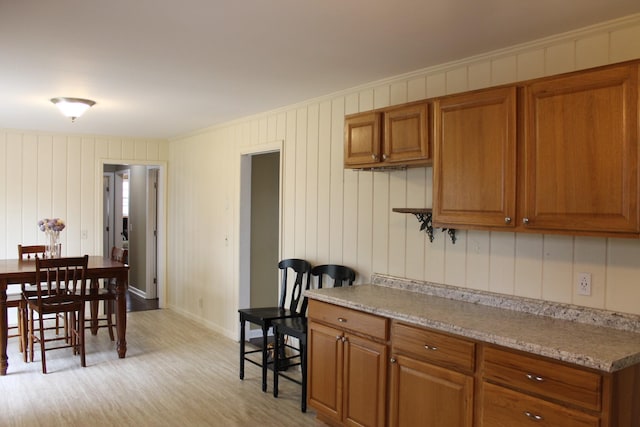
(288, 307)
(15, 300)
(60, 286)
(339, 276)
(31, 252)
(107, 295)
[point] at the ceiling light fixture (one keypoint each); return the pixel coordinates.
(72, 107)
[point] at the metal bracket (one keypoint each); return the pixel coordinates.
(425, 217)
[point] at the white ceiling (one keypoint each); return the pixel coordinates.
(162, 68)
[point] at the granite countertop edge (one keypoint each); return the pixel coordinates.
(563, 317)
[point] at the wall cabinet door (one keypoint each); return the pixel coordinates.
(474, 179)
(429, 396)
(362, 139)
(581, 151)
(390, 137)
(406, 137)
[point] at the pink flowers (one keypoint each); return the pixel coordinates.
(53, 224)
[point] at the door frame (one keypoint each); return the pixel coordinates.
(118, 229)
(152, 234)
(162, 217)
(108, 215)
(244, 244)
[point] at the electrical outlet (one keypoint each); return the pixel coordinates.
(584, 284)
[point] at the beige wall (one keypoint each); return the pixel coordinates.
(51, 175)
(343, 216)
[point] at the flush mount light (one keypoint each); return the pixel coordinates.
(72, 107)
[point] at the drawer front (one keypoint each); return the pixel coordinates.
(507, 408)
(348, 319)
(546, 378)
(433, 347)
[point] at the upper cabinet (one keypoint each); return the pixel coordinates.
(362, 139)
(390, 137)
(557, 154)
(580, 168)
(475, 159)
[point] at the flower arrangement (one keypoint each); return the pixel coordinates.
(54, 224)
(52, 228)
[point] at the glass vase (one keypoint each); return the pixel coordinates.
(52, 245)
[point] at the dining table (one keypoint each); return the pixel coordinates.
(15, 271)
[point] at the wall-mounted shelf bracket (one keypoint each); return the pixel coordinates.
(424, 216)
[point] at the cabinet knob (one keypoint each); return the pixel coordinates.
(392, 360)
(533, 417)
(374, 157)
(342, 320)
(507, 220)
(430, 347)
(338, 337)
(525, 220)
(534, 377)
(384, 157)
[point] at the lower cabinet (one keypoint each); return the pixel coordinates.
(503, 407)
(438, 379)
(431, 379)
(347, 371)
(523, 389)
(423, 394)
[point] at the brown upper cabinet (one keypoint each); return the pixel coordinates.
(475, 159)
(557, 154)
(580, 168)
(389, 137)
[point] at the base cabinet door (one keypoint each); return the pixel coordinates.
(324, 370)
(365, 382)
(426, 395)
(346, 377)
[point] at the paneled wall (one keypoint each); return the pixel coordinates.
(52, 175)
(344, 216)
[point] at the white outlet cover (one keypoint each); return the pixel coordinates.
(584, 284)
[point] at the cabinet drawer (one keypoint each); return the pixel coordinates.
(348, 319)
(503, 407)
(433, 347)
(546, 378)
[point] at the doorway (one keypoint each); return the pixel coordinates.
(260, 230)
(133, 209)
(108, 220)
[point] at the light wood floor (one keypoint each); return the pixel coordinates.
(176, 373)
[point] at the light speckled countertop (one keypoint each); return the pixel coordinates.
(478, 315)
